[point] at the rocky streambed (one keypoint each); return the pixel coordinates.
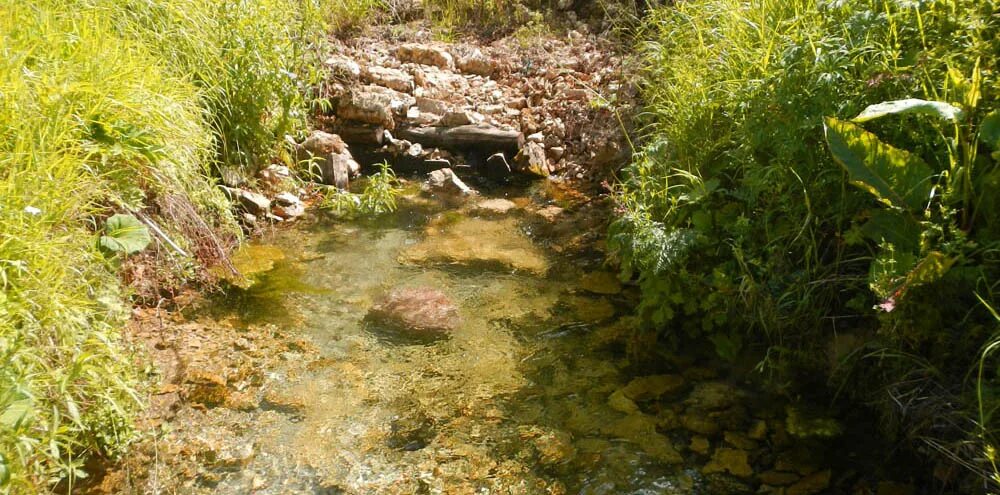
(458, 348)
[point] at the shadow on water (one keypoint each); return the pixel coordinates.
(267, 298)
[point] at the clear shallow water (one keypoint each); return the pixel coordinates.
(514, 401)
(519, 399)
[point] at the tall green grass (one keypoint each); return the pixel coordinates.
(115, 106)
(743, 230)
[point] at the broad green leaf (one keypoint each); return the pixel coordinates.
(18, 412)
(989, 130)
(4, 471)
(938, 109)
(896, 228)
(124, 234)
(896, 177)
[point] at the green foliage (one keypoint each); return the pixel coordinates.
(254, 64)
(115, 106)
(738, 218)
(378, 197)
(124, 234)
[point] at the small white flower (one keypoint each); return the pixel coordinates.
(31, 210)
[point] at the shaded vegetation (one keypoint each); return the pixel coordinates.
(744, 230)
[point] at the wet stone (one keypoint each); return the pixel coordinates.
(811, 484)
(652, 387)
(727, 460)
(699, 423)
(699, 445)
(777, 478)
(713, 396)
(420, 312)
(601, 283)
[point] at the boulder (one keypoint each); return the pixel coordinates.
(320, 143)
(416, 311)
(369, 107)
(713, 396)
(254, 203)
(425, 55)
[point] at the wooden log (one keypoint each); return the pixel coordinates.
(465, 136)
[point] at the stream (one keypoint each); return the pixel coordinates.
(532, 393)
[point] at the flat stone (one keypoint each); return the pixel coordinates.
(777, 478)
(601, 283)
(430, 105)
(494, 206)
(733, 461)
(368, 107)
(620, 403)
(811, 484)
(652, 387)
(286, 199)
(713, 396)
(419, 311)
(390, 78)
(343, 67)
(699, 445)
(475, 242)
(425, 55)
(699, 423)
(739, 440)
(254, 203)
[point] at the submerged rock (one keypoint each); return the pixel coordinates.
(652, 387)
(475, 242)
(417, 311)
(733, 461)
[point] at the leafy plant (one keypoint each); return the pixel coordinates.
(124, 234)
(378, 197)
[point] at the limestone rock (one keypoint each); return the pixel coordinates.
(445, 180)
(425, 55)
(455, 119)
(418, 311)
(368, 107)
(431, 105)
(343, 67)
(390, 78)
(254, 203)
(476, 63)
